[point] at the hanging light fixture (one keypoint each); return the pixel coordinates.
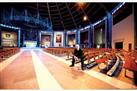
(85, 18)
(80, 3)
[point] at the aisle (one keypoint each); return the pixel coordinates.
(116, 83)
(36, 69)
(71, 78)
(19, 74)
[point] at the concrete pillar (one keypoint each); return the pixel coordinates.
(19, 37)
(76, 36)
(66, 39)
(91, 36)
(0, 38)
(108, 31)
(52, 39)
(23, 37)
(93, 31)
(38, 39)
(134, 9)
(65, 34)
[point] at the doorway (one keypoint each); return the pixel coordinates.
(129, 47)
(118, 45)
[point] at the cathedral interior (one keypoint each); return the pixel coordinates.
(39, 40)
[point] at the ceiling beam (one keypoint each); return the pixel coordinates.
(49, 13)
(60, 16)
(71, 16)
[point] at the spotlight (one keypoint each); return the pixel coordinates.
(80, 3)
(85, 18)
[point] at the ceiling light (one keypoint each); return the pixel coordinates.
(80, 3)
(85, 18)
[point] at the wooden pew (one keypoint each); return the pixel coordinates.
(7, 52)
(130, 62)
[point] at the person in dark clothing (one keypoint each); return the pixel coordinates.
(135, 78)
(78, 55)
(135, 75)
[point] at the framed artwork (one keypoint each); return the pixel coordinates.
(9, 39)
(47, 38)
(58, 38)
(71, 39)
(7, 35)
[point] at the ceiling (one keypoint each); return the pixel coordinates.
(64, 16)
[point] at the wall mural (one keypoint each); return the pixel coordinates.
(99, 38)
(9, 39)
(71, 40)
(45, 40)
(58, 38)
(99, 35)
(84, 37)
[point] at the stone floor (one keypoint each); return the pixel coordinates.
(35, 69)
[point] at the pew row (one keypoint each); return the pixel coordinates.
(7, 52)
(113, 66)
(94, 56)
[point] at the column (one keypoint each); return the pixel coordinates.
(91, 36)
(38, 39)
(108, 31)
(52, 39)
(19, 32)
(23, 37)
(135, 24)
(93, 33)
(78, 37)
(64, 38)
(0, 38)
